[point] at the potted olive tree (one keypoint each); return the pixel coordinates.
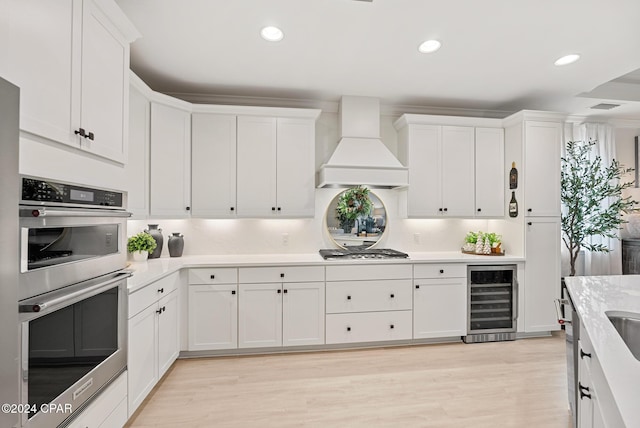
(591, 195)
(141, 245)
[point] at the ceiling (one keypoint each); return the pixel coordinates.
(497, 55)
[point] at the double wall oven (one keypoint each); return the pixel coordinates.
(72, 297)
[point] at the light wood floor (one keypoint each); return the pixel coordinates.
(506, 384)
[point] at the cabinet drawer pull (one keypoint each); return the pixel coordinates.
(584, 394)
(348, 328)
(233, 208)
(392, 296)
(286, 291)
(479, 209)
(279, 291)
(445, 210)
(279, 209)
(529, 209)
(417, 286)
(282, 275)
(159, 311)
(348, 297)
(440, 209)
(90, 136)
(584, 354)
(213, 277)
(391, 326)
(441, 270)
(188, 208)
(160, 290)
(529, 223)
(81, 132)
(233, 291)
(273, 208)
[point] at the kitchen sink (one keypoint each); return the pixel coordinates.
(628, 326)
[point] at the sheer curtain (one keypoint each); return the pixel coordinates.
(596, 263)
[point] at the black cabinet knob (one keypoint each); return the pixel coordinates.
(445, 210)
(282, 275)
(391, 326)
(233, 291)
(417, 286)
(440, 209)
(479, 209)
(81, 132)
(348, 328)
(279, 291)
(584, 354)
(279, 209)
(348, 297)
(441, 270)
(529, 223)
(233, 208)
(584, 391)
(393, 295)
(529, 209)
(273, 208)
(159, 311)
(188, 208)
(160, 290)
(213, 277)
(286, 291)
(90, 136)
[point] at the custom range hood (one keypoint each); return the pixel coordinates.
(361, 158)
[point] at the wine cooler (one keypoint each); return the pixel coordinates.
(492, 304)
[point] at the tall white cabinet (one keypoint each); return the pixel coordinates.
(73, 72)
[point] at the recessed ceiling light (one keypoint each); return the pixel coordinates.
(429, 46)
(272, 34)
(567, 59)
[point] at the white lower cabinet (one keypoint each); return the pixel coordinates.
(107, 410)
(361, 307)
(153, 342)
(213, 309)
(439, 301)
(592, 394)
(281, 310)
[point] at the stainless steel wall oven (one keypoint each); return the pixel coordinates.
(72, 297)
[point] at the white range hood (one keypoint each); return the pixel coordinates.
(361, 158)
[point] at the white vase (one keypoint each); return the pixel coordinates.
(140, 256)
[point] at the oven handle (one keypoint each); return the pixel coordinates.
(56, 212)
(74, 293)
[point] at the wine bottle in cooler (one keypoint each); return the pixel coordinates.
(513, 205)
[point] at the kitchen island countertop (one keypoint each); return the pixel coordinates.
(593, 296)
(154, 269)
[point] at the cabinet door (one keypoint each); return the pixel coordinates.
(458, 165)
(260, 315)
(40, 62)
(142, 354)
(424, 197)
(542, 273)
(439, 308)
(213, 317)
(170, 162)
(105, 85)
(303, 314)
(213, 165)
(295, 164)
(137, 166)
(542, 168)
(256, 173)
(168, 332)
(490, 173)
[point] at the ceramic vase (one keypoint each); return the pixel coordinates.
(176, 245)
(156, 234)
(140, 256)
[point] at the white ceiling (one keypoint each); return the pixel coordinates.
(496, 54)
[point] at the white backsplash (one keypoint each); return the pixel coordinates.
(266, 236)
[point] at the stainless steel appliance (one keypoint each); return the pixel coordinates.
(72, 296)
(492, 303)
(9, 195)
(362, 253)
(568, 318)
(68, 233)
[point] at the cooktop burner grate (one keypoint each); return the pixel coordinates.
(362, 253)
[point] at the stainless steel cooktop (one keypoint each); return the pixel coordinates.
(362, 253)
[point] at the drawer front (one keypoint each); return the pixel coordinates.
(368, 327)
(281, 274)
(150, 294)
(368, 296)
(365, 272)
(440, 270)
(213, 276)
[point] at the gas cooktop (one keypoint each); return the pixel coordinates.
(362, 253)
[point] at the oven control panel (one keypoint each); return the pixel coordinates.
(45, 192)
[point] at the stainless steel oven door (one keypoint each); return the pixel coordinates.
(62, 246)
(73, 343)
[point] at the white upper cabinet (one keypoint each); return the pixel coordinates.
(542, 142)
(275, 167)
(170, 192)
(73, 72)
(457, 171)
(137, 167)
(213, 165)
(490, 174)
(256, 171)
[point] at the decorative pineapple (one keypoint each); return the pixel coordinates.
(479, 245)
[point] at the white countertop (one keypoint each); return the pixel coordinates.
(154, 269)
(592, 297)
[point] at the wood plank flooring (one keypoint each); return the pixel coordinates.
(485, 385)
